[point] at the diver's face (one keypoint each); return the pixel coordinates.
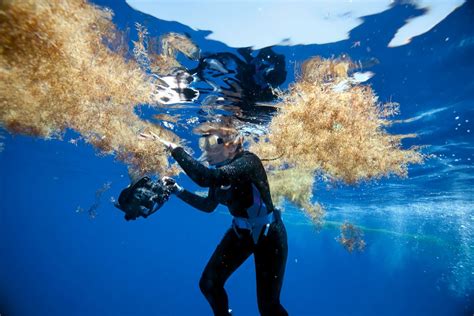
(215, 150)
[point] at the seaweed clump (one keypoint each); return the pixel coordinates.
(160, 55)
(338, 134)
(163, 56)
(62, 66)
(296, 186)
(351, 238)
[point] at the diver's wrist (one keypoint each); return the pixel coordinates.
(178, 190)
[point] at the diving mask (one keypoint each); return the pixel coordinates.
(210, 141)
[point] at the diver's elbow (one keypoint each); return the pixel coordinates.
(202, 182)
(210, 208)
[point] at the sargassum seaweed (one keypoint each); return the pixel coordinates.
(62, 65)
(340, 135)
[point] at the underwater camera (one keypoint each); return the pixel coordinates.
(142, 198)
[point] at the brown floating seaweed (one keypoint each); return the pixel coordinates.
(351, 238)
(163, 55)
(339, 134)
(58, 71)
(167, 117)
(296, 186)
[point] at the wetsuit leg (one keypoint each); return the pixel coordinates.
(270, 261)
(231, 252)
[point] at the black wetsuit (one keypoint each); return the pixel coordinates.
(231, 185)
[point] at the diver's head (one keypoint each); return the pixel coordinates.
(217, 149)
(219, 142)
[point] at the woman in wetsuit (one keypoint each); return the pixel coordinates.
(237, 180)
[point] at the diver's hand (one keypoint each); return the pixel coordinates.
(153, 136)
(171, 185)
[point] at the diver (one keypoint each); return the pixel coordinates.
(142, 198)
(238, 180)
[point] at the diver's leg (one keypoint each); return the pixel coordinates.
(270, 261)
(231, 252)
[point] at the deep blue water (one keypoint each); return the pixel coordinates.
(56, 260)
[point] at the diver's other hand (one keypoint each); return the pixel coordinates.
(153, 136)
(171, 185)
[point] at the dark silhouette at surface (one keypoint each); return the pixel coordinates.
(242, 81)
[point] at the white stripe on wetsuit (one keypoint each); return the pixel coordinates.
(257, 217)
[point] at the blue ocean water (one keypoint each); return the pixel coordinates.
(65, 250)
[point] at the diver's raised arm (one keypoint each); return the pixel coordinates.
(205, 177)
(193, 168)
(152, 136)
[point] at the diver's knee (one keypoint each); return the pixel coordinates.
(271, 308)
(206, 284)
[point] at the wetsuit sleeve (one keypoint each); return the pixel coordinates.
(205, 177)
(246, 168)
(206, 204)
